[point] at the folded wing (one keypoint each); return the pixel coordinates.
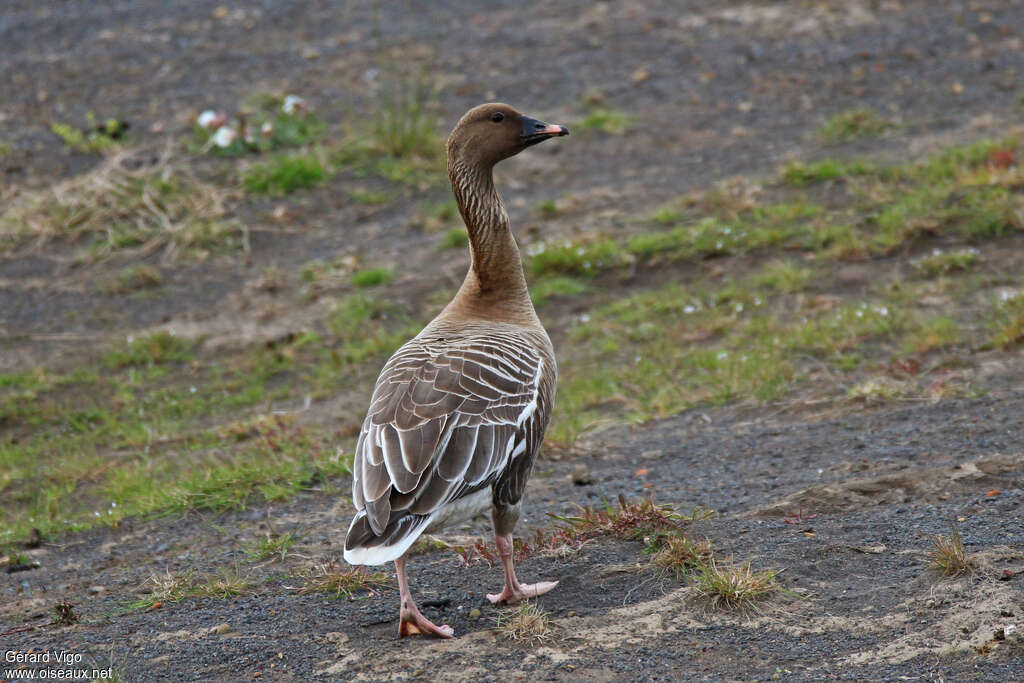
(443, 424)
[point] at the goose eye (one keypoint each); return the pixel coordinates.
(497, 117)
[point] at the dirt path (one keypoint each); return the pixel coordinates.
(844, 496)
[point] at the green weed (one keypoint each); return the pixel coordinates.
(604, 120)
(285, 174)
(853, 124)
(372, 277)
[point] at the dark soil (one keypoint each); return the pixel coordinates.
(844, 497)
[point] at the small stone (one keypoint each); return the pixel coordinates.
(652, 455)
(581, 476)
(96, 590)
(474, 613)
(570, 613)
(221, 629)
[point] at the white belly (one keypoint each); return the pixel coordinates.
(461, 510)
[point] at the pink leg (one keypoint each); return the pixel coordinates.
(411, 621)
(515, 591)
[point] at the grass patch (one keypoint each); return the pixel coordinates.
(153, 349)
(372, 277)
(371, 198)
(271, 546)
(938, 332)
(133, 279)
(799, 174)
(527, 623)
(95, 138)
(401, 144)
(567, 258)
(343, 581)
(604, 120)
(1008, 321)
(549, 287)
(123, 205)
(783, 276)
(948, 556)
(455, 238)
(734, 586)
(943, 263)
(680, 555)
(853, 124)
(285, 174)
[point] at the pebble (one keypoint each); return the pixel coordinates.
(474, 613)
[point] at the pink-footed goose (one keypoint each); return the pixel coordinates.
(459, 412)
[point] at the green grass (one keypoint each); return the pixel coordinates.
(604, 120)
(1007, 327)
(285, 174)
(943, 263)
(455, 238)
(800, 174)
(584, 258)
(96, 138)
(734, 586)
(372, 198)
(783, 276)
(153, 349)
(547, 208)
(550, 287)
(853, 124)
(133, 279)
(372, 277)
(271, 546)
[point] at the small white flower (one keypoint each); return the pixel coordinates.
(739, 308)
(293, 103)
(757, 302)
(211, 119)
(224, 136)
(722, 355)
(266, 130)
(585, 318)
(688, 309)
(191, 390)
(860, 314)
(113, 504)
(883, 310)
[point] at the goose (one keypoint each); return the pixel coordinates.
(459, 412)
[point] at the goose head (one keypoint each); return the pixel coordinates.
(491, 132)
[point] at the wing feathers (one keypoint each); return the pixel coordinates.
(447, 417)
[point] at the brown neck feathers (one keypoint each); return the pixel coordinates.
(495, 286)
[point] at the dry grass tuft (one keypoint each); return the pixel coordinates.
(681, 555)
(734, 586)
(526, 623)
(631, 519)
(128, 202)
(331, 577)
(948, 556)
(64, 614)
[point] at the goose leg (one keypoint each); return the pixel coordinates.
(514, 591)
(411, 621)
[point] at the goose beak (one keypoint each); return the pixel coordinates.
(535, 131)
